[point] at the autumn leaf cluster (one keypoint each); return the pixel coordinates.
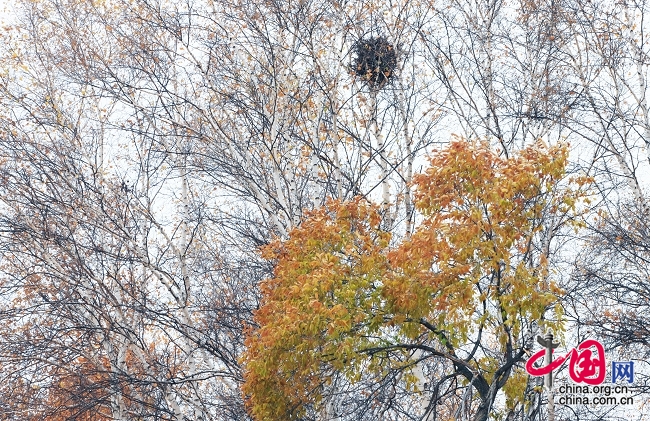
(341, 293)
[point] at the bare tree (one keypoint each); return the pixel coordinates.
(148, 150)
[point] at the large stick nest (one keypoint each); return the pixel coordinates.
(374, 61)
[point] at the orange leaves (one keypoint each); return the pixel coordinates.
(338, 290)
(489, 211)
(80, 385)
(322, 285)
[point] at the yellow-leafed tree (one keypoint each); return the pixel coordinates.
(465, 291)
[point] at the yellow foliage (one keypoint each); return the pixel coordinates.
(338, 287)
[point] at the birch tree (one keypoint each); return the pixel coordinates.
(128, 129)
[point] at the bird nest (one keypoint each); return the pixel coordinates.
(374, 61)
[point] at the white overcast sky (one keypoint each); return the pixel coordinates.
(6, 8)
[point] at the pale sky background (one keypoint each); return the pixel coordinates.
(6, 9)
